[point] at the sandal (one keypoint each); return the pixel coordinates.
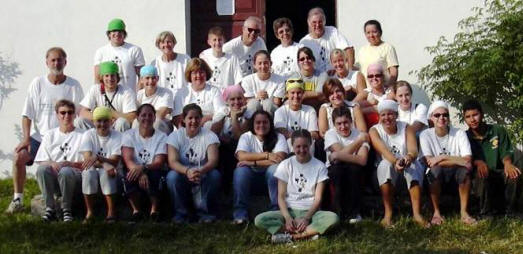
(469, 220)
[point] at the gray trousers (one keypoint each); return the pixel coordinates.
(267, 105)
(120, 124)
(61, 184)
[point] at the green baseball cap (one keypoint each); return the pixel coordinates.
(108, 68)
(116, 25)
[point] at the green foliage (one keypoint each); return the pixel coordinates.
(484, 61)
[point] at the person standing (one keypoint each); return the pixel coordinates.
(127, 56)
(42, 95)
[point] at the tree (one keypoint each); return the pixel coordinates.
(484, 61)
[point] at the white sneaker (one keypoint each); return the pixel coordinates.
(281, 238)
(15, 206)
(356, 219)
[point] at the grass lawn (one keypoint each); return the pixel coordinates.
(27, 234)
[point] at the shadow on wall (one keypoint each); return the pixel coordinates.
(9, 71)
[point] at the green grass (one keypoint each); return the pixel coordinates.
(27, 234)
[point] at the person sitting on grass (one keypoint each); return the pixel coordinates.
(492, 153)
(144, 153)
(301, 181)
(347, 150)
(259, 152)
(193, 158)
(120, 99)
(161, 98)
(101, 149)
(396, 144)
(447, 153)
(59, 163)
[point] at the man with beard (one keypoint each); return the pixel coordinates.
(42, 95)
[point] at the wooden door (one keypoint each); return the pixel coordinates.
(204, 16)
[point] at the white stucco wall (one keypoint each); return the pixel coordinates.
(409, 25)
(29, 28)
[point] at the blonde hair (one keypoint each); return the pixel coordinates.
(164, 35)
(337, 52)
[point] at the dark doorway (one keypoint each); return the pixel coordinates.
(296, 11)
(204, 16)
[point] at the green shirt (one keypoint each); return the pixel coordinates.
(492, 148)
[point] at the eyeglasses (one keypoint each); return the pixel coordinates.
(70, 112)
(253, 30)
(437, 115)
(302, 59)
(374, 75)
(290, 81)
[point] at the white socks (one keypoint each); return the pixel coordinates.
(19, 196)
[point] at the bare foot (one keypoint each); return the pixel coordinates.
(420, 221)
(466, 219)
(386, 222)
(437, 220)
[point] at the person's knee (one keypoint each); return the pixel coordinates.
(214, 176)
(41, 171)
(21, 158)
(66, 172)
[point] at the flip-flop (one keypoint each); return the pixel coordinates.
(436, 221)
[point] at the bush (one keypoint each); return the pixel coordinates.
(485, 62)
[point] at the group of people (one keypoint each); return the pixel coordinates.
(309, 118)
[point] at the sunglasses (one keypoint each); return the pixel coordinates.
(374, 75)
(70, 112)
(301, 59)
(290, 81)
(437, 115)
(253, 30)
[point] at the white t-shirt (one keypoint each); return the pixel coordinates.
(322, 47)
(285, 59)
(127, 57)
(377, 97)
(274, 86)
(172, 74)
(145, 149)
(58, 146)
(209, 99)
(244, 53)
(384, 54)
(314, 82)
(161, 98)
(301, 180)
(455, 143)
(333, 137)
(250, 143)
(224, 113)
(305, 118)
(41, 98)
(416, 113)
(396, 143)
(123, 100)
(226, 70)
(192, 151)
(349, 81)
(328, 108)
(103, 146)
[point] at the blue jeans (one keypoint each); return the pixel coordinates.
(244, 179)
(180, 189)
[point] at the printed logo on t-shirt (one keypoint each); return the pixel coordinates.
(65, 148)
(444, 151)
(171, 79)
(102, 153)
(300, 182)
(287, 63)
(323, 54)
(192, 156)
(395, 150)
(247, 65)
(495, 142)
(144, 155)
(215, 73)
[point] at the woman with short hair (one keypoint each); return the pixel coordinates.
(170, 64)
